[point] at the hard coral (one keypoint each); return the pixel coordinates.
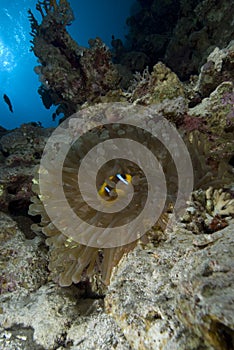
(153, 88)
(209, 210)
(70, 74)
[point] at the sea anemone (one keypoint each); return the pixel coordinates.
(75, 253)
(87, 234)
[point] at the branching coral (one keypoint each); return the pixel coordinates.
(62, 11)
(70, 74)
(209, 210)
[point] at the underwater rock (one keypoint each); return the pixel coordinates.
(97, 332)
(12, 140)
(3, 131)
(218, 114)
(15, 190)
(176, 295)
(24, 146)
(218, 68)
(53, 317)
(21, 150)
(23, 262)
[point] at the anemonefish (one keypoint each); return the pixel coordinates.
(108, 189)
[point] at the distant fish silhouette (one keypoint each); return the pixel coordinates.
(8, 102)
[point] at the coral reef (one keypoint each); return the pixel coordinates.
(150, 30)
(205, 25)
(15, 191)
(24, 145)
(179, 33)
(70, 74)
(73, 76)
(217, 113)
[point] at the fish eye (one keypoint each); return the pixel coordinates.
(122, 177)
(107, 189)
(110, 193)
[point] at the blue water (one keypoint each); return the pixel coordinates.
(17, 79)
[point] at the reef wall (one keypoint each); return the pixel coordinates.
(179, 33)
